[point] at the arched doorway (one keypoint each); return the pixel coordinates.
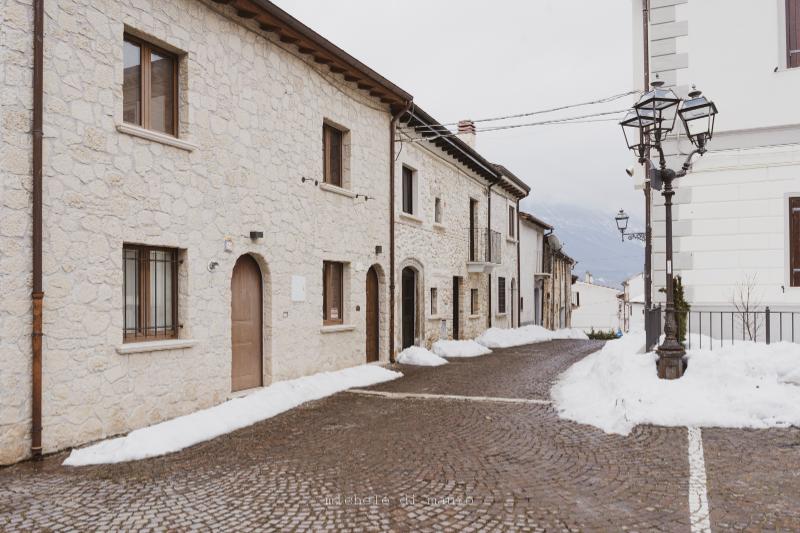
(373, 316)
(246, 325)
(409, 306)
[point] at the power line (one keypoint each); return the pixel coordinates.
(580, 119)
(550, 110)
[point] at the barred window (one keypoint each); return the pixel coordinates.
(501, 295)
(150, 293)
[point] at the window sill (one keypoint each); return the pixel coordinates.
(337, 328)
(511, 240)
(500, 315)
(435, 317)
(410, 218)
(336, 190)
(474, 316)
(162, 138)
(438, 226)
(155, 346)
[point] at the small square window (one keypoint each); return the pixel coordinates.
(149, 293)
(434, 301)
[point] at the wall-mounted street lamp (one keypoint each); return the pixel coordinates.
(647, 126)
(622, 225)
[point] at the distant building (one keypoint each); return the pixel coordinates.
(557, 267)
(632, 304)
(595, 306)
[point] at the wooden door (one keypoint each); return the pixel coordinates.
(456, 306)
(409, 289)
(246, 325)
(373, 316)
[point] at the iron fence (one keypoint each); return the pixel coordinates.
(718, 328)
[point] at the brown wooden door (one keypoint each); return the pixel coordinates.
(409, 302)
(246, 325)
(373, 317)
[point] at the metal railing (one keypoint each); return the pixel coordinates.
(484, 245)
(715, 329)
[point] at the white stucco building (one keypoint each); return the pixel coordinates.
(533, 277)
(632, 308)
(737, 214)
(216, 214)
(595, 306)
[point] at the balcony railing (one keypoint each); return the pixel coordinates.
(484, 246)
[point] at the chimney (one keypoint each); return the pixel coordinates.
(587, 278)
(466, 132)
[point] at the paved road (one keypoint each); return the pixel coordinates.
(390, 460)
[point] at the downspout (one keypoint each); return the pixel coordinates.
(392, 126)
(648, 247)
(519, 270)
(489, 244)
(37, 295)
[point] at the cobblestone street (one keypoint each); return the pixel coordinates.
(392, 461)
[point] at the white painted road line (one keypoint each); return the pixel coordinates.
(448, 397)
(698, 493)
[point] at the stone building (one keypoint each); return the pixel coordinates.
(557, 306)
(448, 249)
(215, 201)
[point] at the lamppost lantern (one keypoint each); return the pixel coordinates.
(655, 118)
(658, 107)
(622, 221)
(697, 114)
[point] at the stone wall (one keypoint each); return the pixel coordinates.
(253, 108)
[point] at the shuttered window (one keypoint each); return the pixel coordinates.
(792, 33)
(794, 241)
(332, 292)
(501, 295)
(408, 190)
(149, 293)
(332, 154)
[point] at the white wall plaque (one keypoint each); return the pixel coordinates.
(298, 288)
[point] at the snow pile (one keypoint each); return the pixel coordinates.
(505, 338)
(414, 355)
(459, 349)
(179, 433)
(746, 385)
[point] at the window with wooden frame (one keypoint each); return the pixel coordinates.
(512, 226)
(501, 295)
(149, 86)
(332, 147)
(437, 210)
(792, 33)
(434, 301)
(332, 292)
(794, 241)
(474, 304)
(149, 293)
(408, 190)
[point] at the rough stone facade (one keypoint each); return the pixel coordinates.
(251, 111)
(557, 307)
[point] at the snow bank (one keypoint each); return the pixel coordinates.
(184, 431)
(459, 348)
(746, 385)
(505, 338)
(414, 355)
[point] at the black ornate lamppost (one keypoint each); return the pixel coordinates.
(622, 225)
(647, 126)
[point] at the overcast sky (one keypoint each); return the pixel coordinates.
(486, 58)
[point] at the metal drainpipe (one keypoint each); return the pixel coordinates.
(489, 243)
(37, 295)
(519, 270)
(392, 125)
(648, 247)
